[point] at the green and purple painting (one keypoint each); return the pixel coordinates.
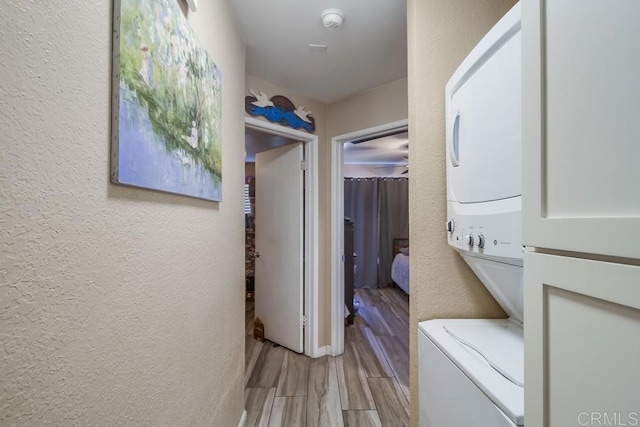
(167, 103)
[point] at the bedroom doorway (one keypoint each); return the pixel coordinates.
(339, 258)
(269, 137)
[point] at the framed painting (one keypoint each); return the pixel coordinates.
(167, 103)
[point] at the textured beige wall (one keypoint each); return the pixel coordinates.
(441, 33)
(118, 306)
(377, 106)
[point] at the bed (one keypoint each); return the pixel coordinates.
(400, 265)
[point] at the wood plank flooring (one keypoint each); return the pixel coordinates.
(368, 385)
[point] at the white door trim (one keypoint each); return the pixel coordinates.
(311, 264)
(337, 224)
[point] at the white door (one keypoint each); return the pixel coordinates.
(279, 272)
(582, 323)
(581, 106)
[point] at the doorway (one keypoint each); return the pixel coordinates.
(337, 223)
(310, 232)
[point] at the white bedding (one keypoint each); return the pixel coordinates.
(400, 271)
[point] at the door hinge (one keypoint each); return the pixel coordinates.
(304, 165)
(303, 321)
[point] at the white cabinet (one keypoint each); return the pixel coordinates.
(582, 341)
(581, 125)
(581, 211)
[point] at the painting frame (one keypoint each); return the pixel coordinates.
(166, 131)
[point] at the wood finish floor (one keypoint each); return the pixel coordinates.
(366, 386)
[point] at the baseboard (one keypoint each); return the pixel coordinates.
(243, 419)
(323, 351)
(332, 352)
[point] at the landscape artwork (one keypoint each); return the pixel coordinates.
(167, 103)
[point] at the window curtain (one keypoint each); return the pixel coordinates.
(361, 205)
(393, 221)
(379, 208)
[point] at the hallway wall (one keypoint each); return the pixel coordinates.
(377, 106)
(441, 34)
(118, 306)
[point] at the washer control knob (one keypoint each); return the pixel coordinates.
(451, 226)
(469, 239)
(479, 240)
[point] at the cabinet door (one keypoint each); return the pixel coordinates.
(582, 342)
(581, 125)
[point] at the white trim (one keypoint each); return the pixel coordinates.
(312, 248)
(323, 351)
(274, 129)
(312, 232)
(337, 247)
(193, 5)
(243, 419)
(337, 225)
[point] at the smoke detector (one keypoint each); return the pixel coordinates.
(332, 18)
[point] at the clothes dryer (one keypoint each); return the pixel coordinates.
(471, 370)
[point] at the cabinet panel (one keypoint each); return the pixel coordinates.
(581, 106)
(592, 108)
(582, 323)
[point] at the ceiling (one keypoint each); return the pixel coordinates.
(367, 50)
(256, 141)
(388, 150)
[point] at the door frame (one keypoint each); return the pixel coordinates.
(337, 223)
(311, 227)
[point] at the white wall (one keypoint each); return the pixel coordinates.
(118, 306)
(441, 33)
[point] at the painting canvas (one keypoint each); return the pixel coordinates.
(167, 103)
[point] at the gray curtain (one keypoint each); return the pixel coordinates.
(361, 205)
(393, 222)
(379, 208)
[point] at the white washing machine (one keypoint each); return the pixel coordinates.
(471, 373)
(471, 370)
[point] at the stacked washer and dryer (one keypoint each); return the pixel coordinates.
(471, 370)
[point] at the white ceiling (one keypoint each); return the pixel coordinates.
(388, 150)
(369, 49)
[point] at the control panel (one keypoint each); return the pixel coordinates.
(487, 230)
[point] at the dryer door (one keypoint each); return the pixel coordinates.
(484, 126)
